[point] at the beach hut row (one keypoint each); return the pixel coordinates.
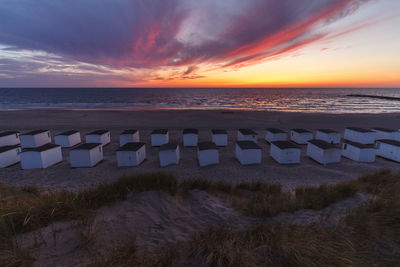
(246, 152)
(160, 137)
(72, 138)
(39, 138)
(35, 150)
(90, 154)
(354, 134)
(38, 152)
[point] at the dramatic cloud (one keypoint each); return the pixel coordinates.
(148, 34)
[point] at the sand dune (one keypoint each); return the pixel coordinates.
(155, 219)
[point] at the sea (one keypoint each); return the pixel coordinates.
(315, 100)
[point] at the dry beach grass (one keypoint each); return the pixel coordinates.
(368, 235)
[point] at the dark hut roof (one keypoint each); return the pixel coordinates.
(98, 132)
(7, 148)
(160, 131)
(298, 130)
(190, 131)
(247, 145)
(275, 130)
(169, 146)
(285, 144)
(131, 146)
(41, 148)
(68, 133)
(390, 142)
(87, 146)
(7, 133)
(328, 131)
(130, 131)
(360, 130)
(322, 144)
(35, 132)
(384, 130)
(359, 145)
(206, 146)
(219, 131)
(247, 132)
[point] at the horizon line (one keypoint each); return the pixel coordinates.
(202, 87)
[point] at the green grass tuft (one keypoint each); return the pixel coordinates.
(218, 247)
(126, 253)
(320, 197)
(269, 200)
(274, 245)
(262, 187)
(206, 185)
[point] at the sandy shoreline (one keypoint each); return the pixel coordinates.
(308, 172)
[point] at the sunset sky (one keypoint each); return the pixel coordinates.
(179, 43)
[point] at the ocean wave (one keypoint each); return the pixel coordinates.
(289, 100)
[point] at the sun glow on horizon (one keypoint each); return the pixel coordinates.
(330, 43)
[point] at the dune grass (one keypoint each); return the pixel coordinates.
(25, 209)
(126, 253)
(229, 188)
(261, 245)
(26, 212)
(369, 236)
(278, 245)
(261, 199)
(379, 219)
(267, 202)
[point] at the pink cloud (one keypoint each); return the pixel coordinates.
(145, 34)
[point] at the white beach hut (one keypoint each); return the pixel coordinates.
(128, 136)
(68, 138)
(248, 152)
(35, 138)
(388, 149)
(190, 137)
(388, 134)
(131, 154)
(300, 136)
(40, 157)
(323, 152)
(274, 134)
(99, 136)
(169, 154)
(9, 138)
(220, 137)
(9, 155)
(247, 135)
(327, 135)
(159, 137)
(86, 155)
(358, 152)
(359, 135)
(285, 152)
(207, 153)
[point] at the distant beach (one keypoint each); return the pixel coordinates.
(308, 172)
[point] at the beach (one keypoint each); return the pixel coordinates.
(275, 125)
(308, 173)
